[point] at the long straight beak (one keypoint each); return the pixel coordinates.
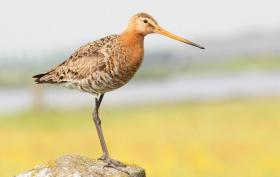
(164, 32)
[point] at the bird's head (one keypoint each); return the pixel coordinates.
(143, 23)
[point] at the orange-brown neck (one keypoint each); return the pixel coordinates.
(133, 44)
(132, 38)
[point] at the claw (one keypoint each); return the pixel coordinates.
(111, 163)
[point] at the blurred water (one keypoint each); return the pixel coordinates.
(188, 88)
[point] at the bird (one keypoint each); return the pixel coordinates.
(107, 64)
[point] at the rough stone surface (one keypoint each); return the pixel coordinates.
(78, 166)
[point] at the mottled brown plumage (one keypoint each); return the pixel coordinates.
(106, 64)
(97, 67)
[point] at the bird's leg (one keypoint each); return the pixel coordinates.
(105, 157)
(97, 122)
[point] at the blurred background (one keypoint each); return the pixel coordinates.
(188, 112)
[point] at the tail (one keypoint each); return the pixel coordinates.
(38, 78)
(43, 78)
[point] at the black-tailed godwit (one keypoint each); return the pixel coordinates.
(107, 64)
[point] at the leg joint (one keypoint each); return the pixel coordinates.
(96, 117)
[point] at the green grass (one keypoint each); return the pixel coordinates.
(235, 65)
(223, 139)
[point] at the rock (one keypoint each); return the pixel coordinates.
(78, 166)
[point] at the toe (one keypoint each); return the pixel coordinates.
(117, 166)
(102, 158)
(112, 162)
(117, 163)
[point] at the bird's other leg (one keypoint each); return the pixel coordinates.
(105, 157)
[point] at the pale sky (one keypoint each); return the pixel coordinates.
(30, 26)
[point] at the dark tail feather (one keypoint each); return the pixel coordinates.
(38, 78)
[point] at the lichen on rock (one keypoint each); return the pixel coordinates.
(79, 166)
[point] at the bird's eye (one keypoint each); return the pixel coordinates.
(145, 21)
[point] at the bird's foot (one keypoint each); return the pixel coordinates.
(103, 157)
(111, 163)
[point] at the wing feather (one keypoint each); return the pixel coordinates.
(86, 60)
